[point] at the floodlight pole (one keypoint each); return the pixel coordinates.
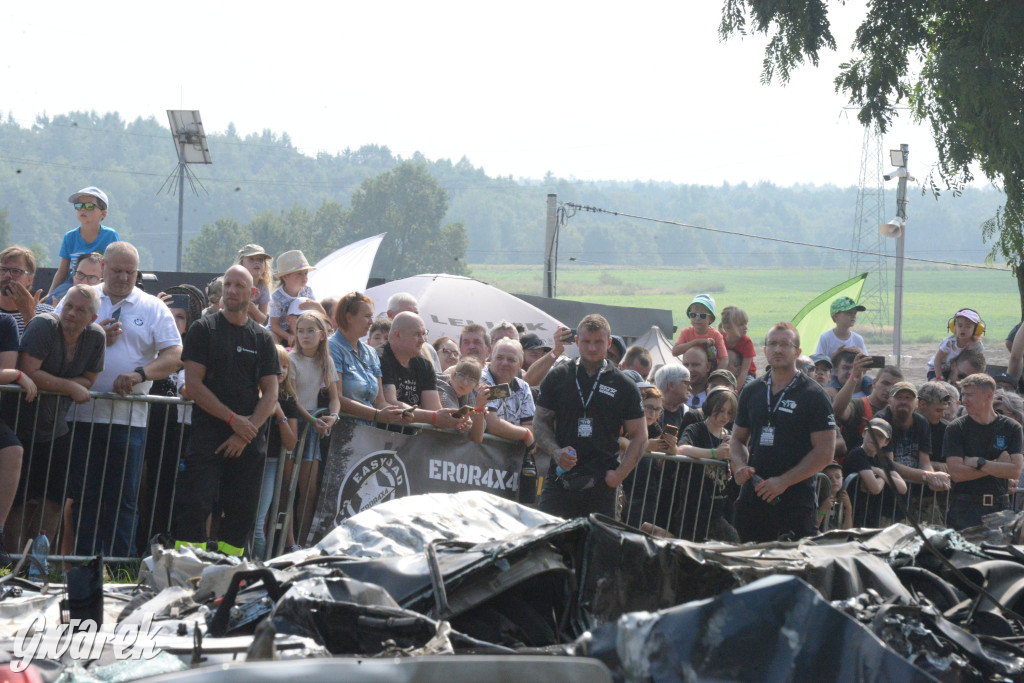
(901, 212)
(181, 195)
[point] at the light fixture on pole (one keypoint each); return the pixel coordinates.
(897, 228)
(190, 143)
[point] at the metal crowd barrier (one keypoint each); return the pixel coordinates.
(153, 482)
(923, 504)
(686, 498)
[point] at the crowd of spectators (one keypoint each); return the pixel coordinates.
(269, 366)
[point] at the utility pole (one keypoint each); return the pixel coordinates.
(551, 248)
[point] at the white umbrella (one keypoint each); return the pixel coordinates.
(345, 270)
(449, 302)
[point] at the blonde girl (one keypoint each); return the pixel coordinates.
(281, 438)
(741, 349)
(314, 371)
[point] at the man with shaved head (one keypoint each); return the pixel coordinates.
(231, 372)
(409, 379)
(143, 345)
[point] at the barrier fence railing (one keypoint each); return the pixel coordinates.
(878, 510)
(106, 488)
(687, 498)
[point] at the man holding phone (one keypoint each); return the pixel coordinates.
(511, 415)
(852, 415)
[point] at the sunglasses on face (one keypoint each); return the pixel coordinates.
(88, 206)
(694, 314)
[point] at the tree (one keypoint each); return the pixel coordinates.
(408, 204)
(969, 85)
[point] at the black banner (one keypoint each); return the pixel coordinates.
(367, 466)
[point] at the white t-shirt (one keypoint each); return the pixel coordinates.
(952, 351)
(518, 407)
(309, 378)
(829, 343)
(147, 328)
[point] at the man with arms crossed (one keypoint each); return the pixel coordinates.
(787, 419)
(983, 453)
(231, 372)
(582, 407)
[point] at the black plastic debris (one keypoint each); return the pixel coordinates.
(775, 629)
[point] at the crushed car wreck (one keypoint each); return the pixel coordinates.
(470, 573)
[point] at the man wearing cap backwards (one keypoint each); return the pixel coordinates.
(700, 334)
(822, 372)
(787, 420)
(983, 453)
(844, 315)
(90, 236)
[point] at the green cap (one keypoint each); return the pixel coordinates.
(845, 303)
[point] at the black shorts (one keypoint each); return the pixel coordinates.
(44, 471)
(7, 436)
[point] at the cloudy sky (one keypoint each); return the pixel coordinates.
(589, 90)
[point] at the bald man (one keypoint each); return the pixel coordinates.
(409, 379)
(231, 372)
(143, 345)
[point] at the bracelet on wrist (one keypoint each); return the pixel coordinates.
(230, 418)
(433, 419)
(713, 456)
(479, 411)
(553, 355)
(312, 420)
(19, 377)
(282, 421)
(528, 435)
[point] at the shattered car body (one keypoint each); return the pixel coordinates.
(472, 574)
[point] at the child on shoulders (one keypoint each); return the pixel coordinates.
(967, 328)
(734, 329)
(90, 236)
(700, 334)
(292, 274)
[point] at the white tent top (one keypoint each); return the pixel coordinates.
(661, 350)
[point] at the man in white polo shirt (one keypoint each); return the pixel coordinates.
(143, 345)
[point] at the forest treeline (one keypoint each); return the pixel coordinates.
(440, 215)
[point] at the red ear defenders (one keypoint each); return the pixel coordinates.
(979, 327)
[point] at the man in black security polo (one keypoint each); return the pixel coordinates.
(983, 453)
(787, 419)
(580, 413)
(231, 372)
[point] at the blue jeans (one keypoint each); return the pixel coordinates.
(108, 464)
(259, 537)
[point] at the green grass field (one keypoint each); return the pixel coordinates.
(930, 295)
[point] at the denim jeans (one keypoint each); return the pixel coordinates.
(108, 462)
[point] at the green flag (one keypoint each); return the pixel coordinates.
(814, 318)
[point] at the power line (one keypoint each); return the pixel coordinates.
(594, 209)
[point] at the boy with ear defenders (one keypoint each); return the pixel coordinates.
(966, 328)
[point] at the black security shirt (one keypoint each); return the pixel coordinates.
(797, 412)
(614, 401)
(966, 438)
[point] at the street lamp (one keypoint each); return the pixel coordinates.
(897, 228)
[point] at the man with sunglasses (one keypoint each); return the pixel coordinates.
(91, 236)
(17, 271)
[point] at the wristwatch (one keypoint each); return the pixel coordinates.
(142, 372)
(981, 463)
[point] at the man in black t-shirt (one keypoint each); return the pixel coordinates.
(408, 378)
(983, 453)
(580, 413)
(231, 372)
(787, 419)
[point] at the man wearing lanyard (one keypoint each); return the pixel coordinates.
(787, 418)
(580, 413)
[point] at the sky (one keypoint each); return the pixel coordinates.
(586, 90)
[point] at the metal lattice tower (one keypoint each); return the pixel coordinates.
(868, 241)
